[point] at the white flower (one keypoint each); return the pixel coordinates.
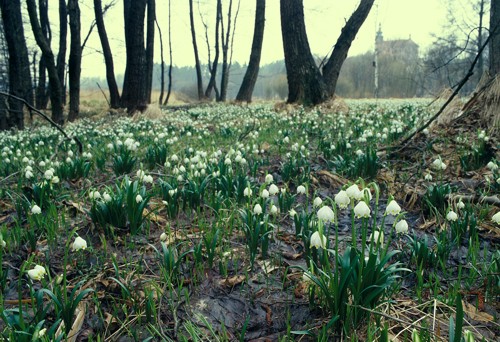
(274, 210)
(451, 216)
(401, 227)
(138, 198)
(301, 189)
(342, 199)
(317, 202)
(438, 164)
(42, 332)
(140, 174)
(292, 213)
(460, 204)
(79, 244)
(106, 197)
(148, 179)
(496, 218)
(492, 166)
(94, 195)
(37, 273)
(318, 240)
(28, 174)
(35, 210)
(353, 192)
(54, 180)
(326, 214)
(269, 178)
(273, 189)
(247, 192)
(257, 210)
(48, 174)
(264, 194)
(362, 210)
(393, 208)
(428, 177)
(163, 237)
(377, 236)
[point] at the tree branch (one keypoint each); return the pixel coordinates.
(31, 108)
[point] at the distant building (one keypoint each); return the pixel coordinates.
(403, 49)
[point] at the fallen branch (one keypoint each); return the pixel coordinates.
(31, 108)
(464, 80)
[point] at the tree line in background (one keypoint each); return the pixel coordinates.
(38, 77)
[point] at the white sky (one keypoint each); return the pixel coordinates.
(324, 20)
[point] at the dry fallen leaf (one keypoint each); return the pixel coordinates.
(475, 314)
(233, 281)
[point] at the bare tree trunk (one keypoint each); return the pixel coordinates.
(19, 65)
(199, 79)
(150, 47)
(55, 83)
(75, 59)
(169, 91)
(213, 69)
(134, 95)
(61, 54)
(305, 83)
(42, 92)
(495, 39)
(114, 94)
(480, 62)
(331, 70)
(252, 72)
(162, 66)
(226, 43)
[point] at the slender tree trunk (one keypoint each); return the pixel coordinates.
(252, 72)
(134, 95)
(495, 39)
(55, 83)
(150, 47)
(213, 69)
(169, 91)
(480, 62)
(114, 94)
(42, 91)
(225, 48)
(331, 70)
(75, 59)
(199, 79)
(63, 36)
(162, 66)
(305, 83)
(19, 64)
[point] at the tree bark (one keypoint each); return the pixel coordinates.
(162, 65)
(114, 94)
(252, 72)
(150, 47)
(169, 90)
(305, 83)
(331, 70)
(61, 54)
(135, 84)
(19, 66)
(495, 39)
(54, 82)
(225, 48)
(215, 63)
(42, 92)
(75, 59)
(199, 79)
